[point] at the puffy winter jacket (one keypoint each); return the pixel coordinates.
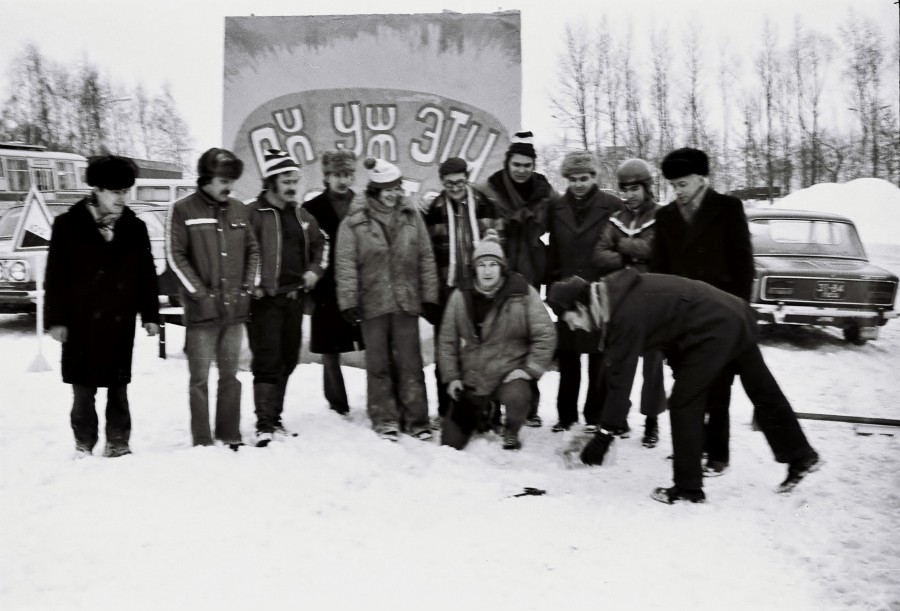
(627, 239)
(381, 275)
(266, 221)
(517, 333)
(213, 253)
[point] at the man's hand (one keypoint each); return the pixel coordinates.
(516, 374)
(59, 333)
(352, 316)
(151, 328)
(309, 280)
(455, 389)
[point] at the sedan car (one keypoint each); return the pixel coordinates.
(811, 269)
(18, 269)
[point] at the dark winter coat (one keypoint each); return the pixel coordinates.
(715, 247)
(627, 239)
(683, 318)
(95, 289)
(380, 274)
(212, 251)
(486, 217)
(570, 250)
(517, 333)
(266, 222)
(329, 332)
(523, 227)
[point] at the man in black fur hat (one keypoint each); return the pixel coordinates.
(100, 275)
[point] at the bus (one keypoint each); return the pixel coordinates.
(59, 176)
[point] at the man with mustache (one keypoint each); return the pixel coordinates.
(293, 255)
(213, 253)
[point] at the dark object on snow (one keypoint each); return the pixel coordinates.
(595, 451)
(528, 491)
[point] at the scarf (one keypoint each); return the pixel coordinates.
(104, 224)
(451, 229)
(340, 203)
(599, 308)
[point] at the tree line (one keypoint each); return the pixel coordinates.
(796, 111)
(73, 108)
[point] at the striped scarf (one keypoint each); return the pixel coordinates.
(451, 230)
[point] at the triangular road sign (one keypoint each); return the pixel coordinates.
(35, 224)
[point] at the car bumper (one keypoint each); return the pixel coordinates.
(811, 315)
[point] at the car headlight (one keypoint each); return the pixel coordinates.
(17, 271)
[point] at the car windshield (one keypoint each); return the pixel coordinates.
(806, 237)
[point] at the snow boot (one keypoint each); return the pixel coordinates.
(534, 421)
(714, 468)
(561, 427)
(511, 441)
(595, 451)
(672, 495)
(798, 469)
(265, 403)
(263, 439)
(651, 432)
(115, 450)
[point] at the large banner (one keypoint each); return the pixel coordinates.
(412, 89)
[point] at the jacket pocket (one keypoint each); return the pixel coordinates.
(202, 309)
(242, 305)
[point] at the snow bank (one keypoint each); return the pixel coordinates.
(872, 203)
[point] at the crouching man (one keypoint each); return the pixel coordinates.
(701, 330)
(496, 340)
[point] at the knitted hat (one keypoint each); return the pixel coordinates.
(338, 161)
(382, 174)
(522, 144)
(453, 165)
(578, 162)
(562, 295)
(219, 163)
(685, 161)
(489, 246)
(634, 172)
(111, 172)
(278, 162)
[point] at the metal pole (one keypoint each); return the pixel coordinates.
(40, 363)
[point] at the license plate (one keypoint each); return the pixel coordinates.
(830, 290)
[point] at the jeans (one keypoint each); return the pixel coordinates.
(84, 416)
(394, 372)
(202, 345)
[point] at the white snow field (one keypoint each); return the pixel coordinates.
(339, 519)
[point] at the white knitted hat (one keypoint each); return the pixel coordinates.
(277, 162)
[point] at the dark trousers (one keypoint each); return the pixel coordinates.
(718, 419)
(203, 345)
(443, 398)
(472, 414)
(275, 333)
(394, 378)
(569, 364)
(84, 416)
(333, 382)
(653, 392)
(694, 376)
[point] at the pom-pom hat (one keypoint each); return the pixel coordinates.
(522, 144)
(489, 246)
(111, 172)
(382, 174)
(278, 162)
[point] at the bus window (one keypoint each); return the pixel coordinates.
(19, 178)
(65, 172)
(43, 177)
(152, 194)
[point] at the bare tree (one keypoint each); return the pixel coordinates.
(727, 77)
(660, 90)
(695, 129)
(172, 139)
(767, 67)
(573, 101)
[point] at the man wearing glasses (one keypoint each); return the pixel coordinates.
(456, 220)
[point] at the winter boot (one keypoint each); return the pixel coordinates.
(798, 469)
(672, 495)
(116, 449)
(561, 427)
(263, 439)
(534, 421)
(714, 468)
(265, 400)
(595, 451)
(511, 440)
(651, 432)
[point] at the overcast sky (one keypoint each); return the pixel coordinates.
(181, 41)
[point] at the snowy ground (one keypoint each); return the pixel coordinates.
(338, 519)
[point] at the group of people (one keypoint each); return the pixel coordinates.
(627, 278)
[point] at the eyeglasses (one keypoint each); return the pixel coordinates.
(454, 183)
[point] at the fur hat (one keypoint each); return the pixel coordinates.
(338, 161)
(522, 144)
(382, 174)
(578, 162)
(562, 295)
(219, 163)
(453, 165)
(111, 172)
(685, 161)
(278, 162)
(489, 246)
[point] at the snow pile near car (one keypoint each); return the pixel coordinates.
(872, 204)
